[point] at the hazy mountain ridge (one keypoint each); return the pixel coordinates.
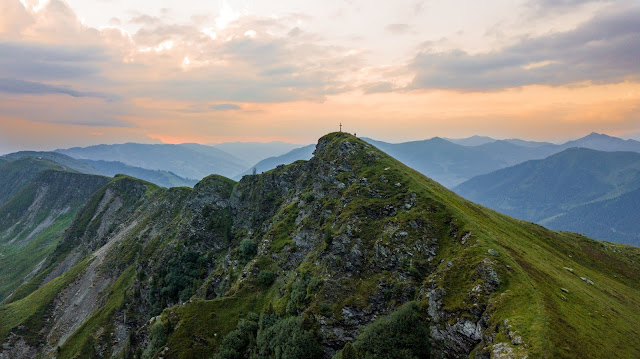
(254, 152)
(555, 189)
(453, 161)
(62, 159)
(302, 153)
(474, 140)
(451, 164)
(448, 161)
(186, 160)
(331, 254)
(159, 177)
(601, 142)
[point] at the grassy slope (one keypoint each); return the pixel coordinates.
(30, 304)
(29, 313)
(16, 174)
(26, 251)
(589, 320)
(17, 262)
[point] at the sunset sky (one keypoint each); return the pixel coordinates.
(81, 72)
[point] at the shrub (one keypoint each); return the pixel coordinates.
(298, 295)
(177, 279)
(401, 335)
(288, 339)
(239, 341)
(266, 277)
(328, 235)
(248, 249)
(271, 337)
(159, 335)
(309, 197)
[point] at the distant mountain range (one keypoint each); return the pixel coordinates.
(159, 177)
(580, 190)
(471, 141)
(254, 152)
(57, 158)
(448, 161)
(451, 164)
(186, 160)
(302, 153)
(189, 161)
(453, 161)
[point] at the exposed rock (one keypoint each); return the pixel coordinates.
(587, 280)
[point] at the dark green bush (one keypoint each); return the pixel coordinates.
(298, 295)
(401, 335)
(248, 249)
(272, 337)
(328, 235)
(177, 278)
(159, 335)
(287, 339)
(238, 342)
(266, 277)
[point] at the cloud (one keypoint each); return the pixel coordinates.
(271, 65)
(60, 108)
(225, 107)
(181, 61)
(553, 7)
(36, 88)
(145, 19)
(48, 62)
(602, 50)
(398, 29)
(378, 87)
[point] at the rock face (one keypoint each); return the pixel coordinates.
(341, 241)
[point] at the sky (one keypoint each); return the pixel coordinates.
(82, 72)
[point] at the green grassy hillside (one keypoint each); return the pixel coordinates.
(350, 254)
(15, 174)
(59, 158)
(33, 221)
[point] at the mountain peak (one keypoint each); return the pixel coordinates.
(337, 145)
(597, 135)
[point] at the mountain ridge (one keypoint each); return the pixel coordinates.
(186, 160)
(320, 251)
